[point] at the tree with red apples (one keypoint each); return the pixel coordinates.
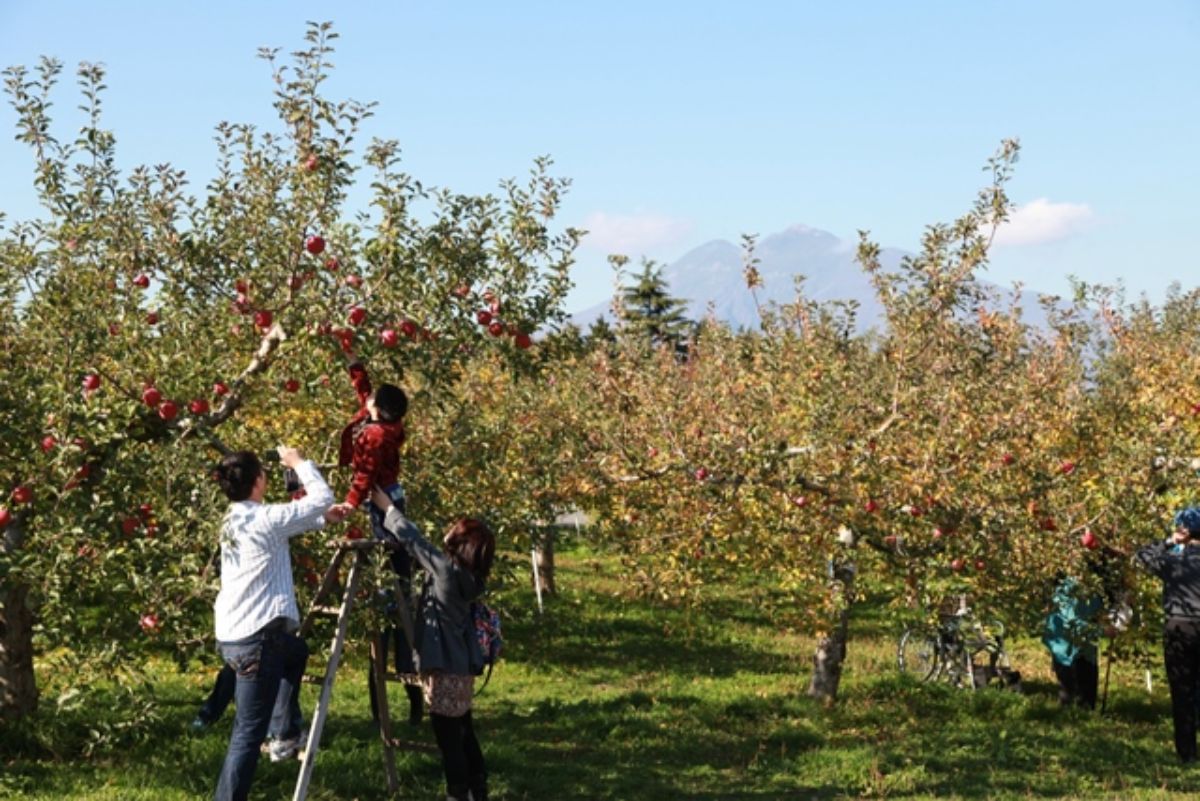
(146, 329)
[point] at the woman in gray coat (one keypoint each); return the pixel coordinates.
(448, 656)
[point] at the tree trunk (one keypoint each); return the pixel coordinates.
(18, 685)
(544, 556)
(831, 648)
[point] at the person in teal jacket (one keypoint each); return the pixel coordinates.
(1072, 635)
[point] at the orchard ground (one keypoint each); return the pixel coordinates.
(606, 697)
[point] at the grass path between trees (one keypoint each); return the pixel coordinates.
(610, 698)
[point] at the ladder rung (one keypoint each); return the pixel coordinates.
(403, 678)
(325, 611)
(412, 745)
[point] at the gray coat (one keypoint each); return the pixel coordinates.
(444, 631)
(1179, 569)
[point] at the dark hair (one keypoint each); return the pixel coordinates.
(472, 546)
(390, 402)
(237, 473)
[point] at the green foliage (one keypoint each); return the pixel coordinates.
(649, 315)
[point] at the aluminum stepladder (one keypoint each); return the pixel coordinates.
(362, 550)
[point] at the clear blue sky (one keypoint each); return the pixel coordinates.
(681, 122)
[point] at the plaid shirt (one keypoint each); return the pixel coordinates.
(256, 563)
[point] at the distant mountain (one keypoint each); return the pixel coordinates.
(712, 273)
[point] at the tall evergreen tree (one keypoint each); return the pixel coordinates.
(650, 313)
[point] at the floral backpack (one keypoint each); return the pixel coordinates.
(487, 631)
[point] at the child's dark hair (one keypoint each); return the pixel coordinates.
(390, 402)
(471, 544)
(237, 473)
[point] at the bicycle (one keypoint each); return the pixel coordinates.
(949, 651)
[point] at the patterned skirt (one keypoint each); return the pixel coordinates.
(448, 694)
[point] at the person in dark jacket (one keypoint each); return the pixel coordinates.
(1177, 562)
(448, 655)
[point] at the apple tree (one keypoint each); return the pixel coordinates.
(146, 330)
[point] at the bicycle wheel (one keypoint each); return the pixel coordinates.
(918, 654)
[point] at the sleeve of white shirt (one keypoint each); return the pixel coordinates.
(306, 514)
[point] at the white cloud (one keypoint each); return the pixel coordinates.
(632, 234)
(1041, 220)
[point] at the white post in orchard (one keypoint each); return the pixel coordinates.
(537, 578)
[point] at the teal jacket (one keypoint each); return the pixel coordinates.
(1071, 631)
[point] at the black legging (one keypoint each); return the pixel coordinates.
(462, 759)
(1077, 682)
(1181, 651)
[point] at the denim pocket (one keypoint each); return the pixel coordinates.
(244, 659)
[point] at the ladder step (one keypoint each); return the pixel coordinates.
(412, 745)
(325, 611)
(403, 678)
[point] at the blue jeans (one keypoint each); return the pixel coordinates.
(269, 666)
(222, 694)
(396, 493)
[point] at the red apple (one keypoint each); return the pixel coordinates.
(114, 329)
(263, 318)
(220, 389)
(957, 565)
(980, 565)
(241, 286)
(1088, 540)
(408, 328)
(354, 533)
(357, 315)
(311, 163)
(48, 443)
(701, 474)
(890, 540)
(141, 281)
(462, 291)
(332, 264)
(354, 281)
(388, 338)
(129, 525)
(496, 328)
(522, 340)
(149, 623)
(91, 382)
(871, 507)
(483, 317)
(295, 282)
(1008, 459)
(151, 531)
(146, 511)
(152, 318)
(800, 501)
(291, 385)
(198, 406)
(5, 517)
(151, 396)
(1048, 524)
(1067, 468)
(314, 245)
(168, 409)
(1196, 409)
(22, 494)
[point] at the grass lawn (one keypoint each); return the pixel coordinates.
(603, 698)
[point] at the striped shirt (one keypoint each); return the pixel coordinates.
(256, 563)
